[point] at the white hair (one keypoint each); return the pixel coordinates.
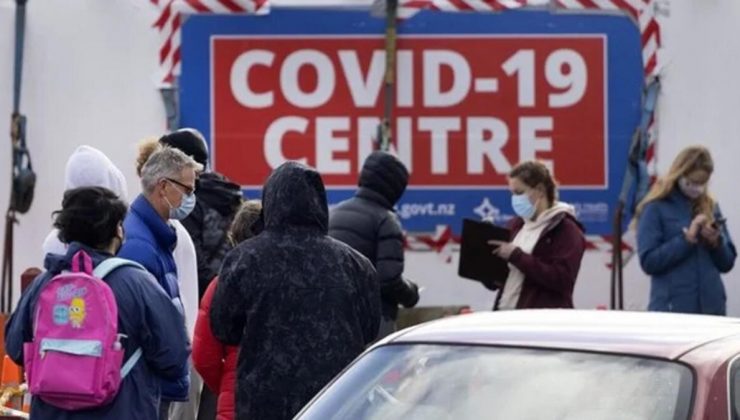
(165, 163)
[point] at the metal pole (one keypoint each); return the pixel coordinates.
(617, 298)
(390, 66)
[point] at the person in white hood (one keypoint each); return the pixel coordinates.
(546, 246)
(87, 167)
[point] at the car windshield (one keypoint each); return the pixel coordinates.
(445, 382)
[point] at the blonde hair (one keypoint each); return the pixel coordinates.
(690, 159)
(147, 148)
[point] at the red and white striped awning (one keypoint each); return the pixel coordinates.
(642, 11)
(170, 19)
(169, 24)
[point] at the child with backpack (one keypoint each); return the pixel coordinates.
(94, 332)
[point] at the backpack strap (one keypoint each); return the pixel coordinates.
(103, 269)
(130, 363)
(107, 266)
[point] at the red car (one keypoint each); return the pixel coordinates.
(545, 364)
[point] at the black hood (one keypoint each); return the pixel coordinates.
(294, 196)
(217, 192)
(385, 175)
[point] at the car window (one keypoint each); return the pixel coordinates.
(442, 382)
(735, 389)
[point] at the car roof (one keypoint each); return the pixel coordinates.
(653, 334)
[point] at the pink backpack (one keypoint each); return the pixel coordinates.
(74, 361)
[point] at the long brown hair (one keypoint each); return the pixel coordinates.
(694, 158)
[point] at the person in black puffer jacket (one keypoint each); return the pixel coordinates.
(218, 200)
(367, 223)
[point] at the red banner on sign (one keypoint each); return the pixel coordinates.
(467, 108)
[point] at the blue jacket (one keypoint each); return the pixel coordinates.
(149, 240)
(145, 315)
(685, 276)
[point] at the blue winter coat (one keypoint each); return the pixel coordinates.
(149, 240)
(145, 315)
(685, 276)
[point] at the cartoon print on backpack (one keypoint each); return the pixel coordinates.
(77, 312)
(73, 312)
(61, 314)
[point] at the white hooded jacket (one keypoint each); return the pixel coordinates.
(87, 167)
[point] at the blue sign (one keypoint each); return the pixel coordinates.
(474, 93)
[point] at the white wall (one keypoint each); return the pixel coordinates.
(89, 78)
(701, 100)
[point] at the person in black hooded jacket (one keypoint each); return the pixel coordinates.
(218, 200)
(300, 304)
(367, 223)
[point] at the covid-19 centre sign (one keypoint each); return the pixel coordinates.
(474, 94)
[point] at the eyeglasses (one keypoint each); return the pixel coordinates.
(188, 189)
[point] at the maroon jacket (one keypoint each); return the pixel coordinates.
(551, 270)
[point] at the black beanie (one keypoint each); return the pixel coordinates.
(190, 142)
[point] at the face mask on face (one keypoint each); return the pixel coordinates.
(120, 245)
(187, 206)
(691, 189)
(119, 240)
(522, 206)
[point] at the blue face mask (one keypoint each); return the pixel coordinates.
(187, 206)
(522, 206)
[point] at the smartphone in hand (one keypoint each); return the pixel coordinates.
(719, 223)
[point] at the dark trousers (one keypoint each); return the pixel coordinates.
(164, 410)
(208, 402)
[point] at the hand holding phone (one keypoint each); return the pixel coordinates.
(719, 223)
(711, 233)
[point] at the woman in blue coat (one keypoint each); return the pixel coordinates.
(682, 239)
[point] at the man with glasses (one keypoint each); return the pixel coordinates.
(218, 201)
(168, 184)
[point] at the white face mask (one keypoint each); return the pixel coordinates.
(690, 189)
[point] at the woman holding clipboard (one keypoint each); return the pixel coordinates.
(546, 246)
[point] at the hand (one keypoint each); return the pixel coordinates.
(699, 221)
(504, 250)
(693, 230)
(411, 295)
(710, 235)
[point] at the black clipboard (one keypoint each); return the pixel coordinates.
(476, 259)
